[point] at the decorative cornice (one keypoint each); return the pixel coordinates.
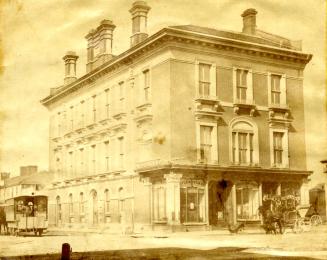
(179, 36)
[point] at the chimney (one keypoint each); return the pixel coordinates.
(249, 21)
(70, 67)
(139, 12)
(99, 45)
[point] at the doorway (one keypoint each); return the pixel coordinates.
(220, 207)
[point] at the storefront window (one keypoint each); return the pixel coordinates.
(192, 199)
(159, 201)
(247, 201)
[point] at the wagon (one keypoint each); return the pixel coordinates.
(27, 214)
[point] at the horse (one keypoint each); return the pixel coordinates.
(3, 220)
(271, 221)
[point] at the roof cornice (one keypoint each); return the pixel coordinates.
(178, 35)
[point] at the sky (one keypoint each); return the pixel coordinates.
(35, 35)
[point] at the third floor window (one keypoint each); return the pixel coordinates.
(275, 89)
(204, 79)
(241, 84)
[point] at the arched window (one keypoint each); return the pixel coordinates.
(81, 203)
(107, 201)
(70, 207)
(243, 142)
(58, 209)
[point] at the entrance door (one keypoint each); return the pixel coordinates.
(219, 202)
(94, 207)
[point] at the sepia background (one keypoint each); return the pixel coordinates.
(36, 34)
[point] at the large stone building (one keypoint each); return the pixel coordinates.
(190, 126)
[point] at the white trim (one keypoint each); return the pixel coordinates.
(285, 162)
(213, 77)
(214, 139)
(283, 101)
(249, 85)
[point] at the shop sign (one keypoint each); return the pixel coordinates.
(192, 183)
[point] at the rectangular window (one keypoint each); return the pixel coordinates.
(278, 147)
(70, 169)
(107, 103)
(81, 206)
(204, 79)
(192, 201)
(121, 96)
(71, 118)
(247, 202)
(242, 147)
(107, 201)
(94, 111)
(59, 124)
(107, 158)
(241, 85)
(275, 89)
(159, 201)
(205, 143)
(82, 119)
(121, 152)
(93, 147)
(146, 87)
(81, 161)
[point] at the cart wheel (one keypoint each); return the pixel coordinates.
(315, 220)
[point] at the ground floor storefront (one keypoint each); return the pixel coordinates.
(175, 199)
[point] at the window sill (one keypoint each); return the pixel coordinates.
(279, 107)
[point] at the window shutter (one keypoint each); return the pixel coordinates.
(283, 90)
(234, 84)
(249, 84)
(269, 88)
(213, 80)
(197, 78)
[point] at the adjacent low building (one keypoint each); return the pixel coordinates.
(189, 127)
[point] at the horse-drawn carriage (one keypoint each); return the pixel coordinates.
(27, 214)
(281, 213)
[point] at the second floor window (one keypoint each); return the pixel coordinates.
(275, 89)
(204, 79)
(241, 84)
(107, 158)
(146, 86)
(278, 147)
(242, 146)
(94, 111)
(121, 152)
(81, 203)
(107, 201)
(205, 143)
(71, 204)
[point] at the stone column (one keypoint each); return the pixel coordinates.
(173, 197)
(304, 192)
(233, 193)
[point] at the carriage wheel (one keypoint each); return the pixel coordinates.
(315, 220)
